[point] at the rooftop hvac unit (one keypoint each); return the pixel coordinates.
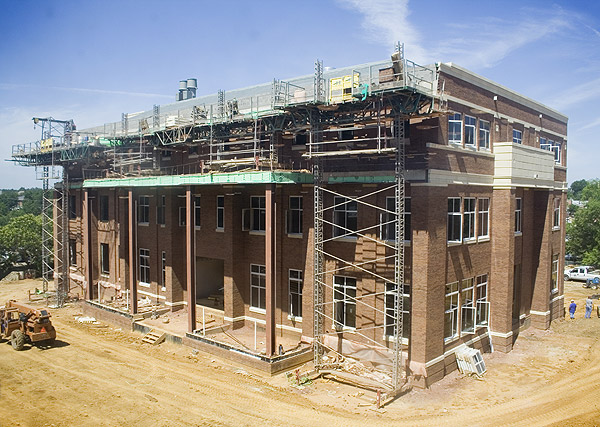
(187, 89)
(469, 361)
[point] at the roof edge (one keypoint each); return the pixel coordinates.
(485, 83)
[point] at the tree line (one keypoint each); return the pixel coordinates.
(20, 229)
(583, 221)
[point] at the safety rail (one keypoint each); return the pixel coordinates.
(356, 83)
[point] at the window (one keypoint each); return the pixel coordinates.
(556, 214)
(163, 271)
(407, 220)
(258, 288)
(454, 219)
(300, 138)
(451, 311)
(484, 134)
(467, 311)
(295, 284)
(483, 210)
(554, 275)
(455, 128)
(481, 318)
(258, 213)
(160, 211)
(182, 216)
(470, 123)
(345, 135)
(144, 210)
(388, 220)
(144, 266)
(469, 218)
(518, 215)
(345, 216)
(104, 259)
(468, 303)
(166, 154)
(197, 216)
(556, 148)
(391, 295)
(553, 146)
(294, 222)
(72, 207)
(103, 208)
(193, 151)
(344, 301)
(72, 252)
(517, 136)
(220, 212)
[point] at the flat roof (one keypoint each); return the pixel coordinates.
(487, 84)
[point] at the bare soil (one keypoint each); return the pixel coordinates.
(99, 375)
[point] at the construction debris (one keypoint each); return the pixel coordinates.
(154, 337)
(469, 361)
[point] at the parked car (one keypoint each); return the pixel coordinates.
(570, 258)
(582, 273)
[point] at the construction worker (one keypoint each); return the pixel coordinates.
(589, 305)
(572, 308)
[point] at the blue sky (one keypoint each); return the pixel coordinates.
(93, 60)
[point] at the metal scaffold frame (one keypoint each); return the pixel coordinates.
(55, 205)
(352, 113)
(214, 126)
(399, 223)
(55, 235)
(366, 267)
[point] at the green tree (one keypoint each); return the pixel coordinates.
(591, 191)
(20, 241)
(576, 187)
(32, 203)
(583, 233)
(14, 203)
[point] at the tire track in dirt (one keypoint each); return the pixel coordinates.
(129, 375)
(106, 377)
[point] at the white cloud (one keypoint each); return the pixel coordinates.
(472, 46)
(577, 94)
(486, 47)
(386, 21)
(5, 86)
(590, 125)
(594, 30)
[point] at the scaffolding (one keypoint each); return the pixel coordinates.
(55, 206)
(243, 130)
(385, 249)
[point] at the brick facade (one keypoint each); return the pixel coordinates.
(516, 263)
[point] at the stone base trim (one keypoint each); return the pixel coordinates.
(540, 313)
(261, 322)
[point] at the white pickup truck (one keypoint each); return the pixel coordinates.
(582, 273)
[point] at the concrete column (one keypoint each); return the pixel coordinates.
(131, 215)
(270, 262)
(190, 258)
(87, 242)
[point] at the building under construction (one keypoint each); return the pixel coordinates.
(386, 213)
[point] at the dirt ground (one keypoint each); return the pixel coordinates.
(99, 375)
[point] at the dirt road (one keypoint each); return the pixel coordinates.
(102, 376)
